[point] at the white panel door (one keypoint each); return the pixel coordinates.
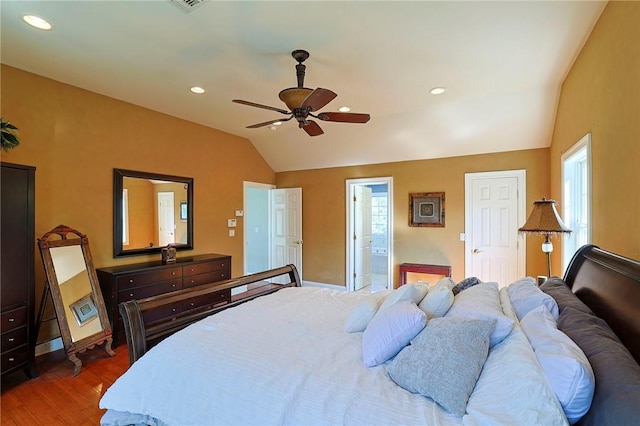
(166, 219)
(362, 237)
(493, 216)
(286, 234)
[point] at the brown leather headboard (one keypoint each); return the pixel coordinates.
(610, 285)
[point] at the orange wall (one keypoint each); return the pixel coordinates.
(601, 95)
(324, 210)
(75, 138)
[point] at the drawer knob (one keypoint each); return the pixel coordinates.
(190, 269)
(173, 273)
(173, 285)
(131, 280)
(12, 359)
(130, 294)
(192, 304)
(173, 309)
(12, 319)
(192, 281)
(11, 339)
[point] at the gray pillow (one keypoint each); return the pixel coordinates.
(564, 297)
(617, 393)
(443, 362)
(465, 284)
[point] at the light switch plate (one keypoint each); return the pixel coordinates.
(231, 223)
(232, 232)
(239, 213)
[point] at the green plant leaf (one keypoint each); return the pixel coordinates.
(8, 136)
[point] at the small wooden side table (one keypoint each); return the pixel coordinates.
(423, 268)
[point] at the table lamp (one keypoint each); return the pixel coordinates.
(544, 219)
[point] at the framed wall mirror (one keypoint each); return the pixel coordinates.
(73, 285)
(151, 211)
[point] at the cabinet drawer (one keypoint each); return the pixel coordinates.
(204, 267)
(204, 278)
(14, 358)
(149, 290)
(150, 277)
(14, 318)
(14, 338)
(219, 297)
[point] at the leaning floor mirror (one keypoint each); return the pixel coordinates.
(73, 285)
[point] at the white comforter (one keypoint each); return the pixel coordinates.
(285, 359)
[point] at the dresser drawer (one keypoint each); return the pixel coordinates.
(213, 299)
(148, 277)
(210, 277)
(149, 290)
(14, 358)
(14, 318)
(204, 267)
(14, 338)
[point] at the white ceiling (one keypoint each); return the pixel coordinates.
(501, 62)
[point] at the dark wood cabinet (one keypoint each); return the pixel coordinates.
(137, 281)
(17, 268)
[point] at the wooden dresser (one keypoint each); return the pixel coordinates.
(17, 268)
(137, 281)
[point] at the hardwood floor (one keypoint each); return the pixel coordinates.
(56, 398)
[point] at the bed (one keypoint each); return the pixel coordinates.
(300, 355)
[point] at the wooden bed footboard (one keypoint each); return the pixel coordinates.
(141, 336)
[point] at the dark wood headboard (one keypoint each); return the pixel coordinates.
(610, 285)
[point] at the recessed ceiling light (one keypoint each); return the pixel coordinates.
(196, 89)
(438, 90)
(344, 109)
(36, 21)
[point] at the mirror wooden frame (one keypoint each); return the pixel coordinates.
(63, 236)
(118, 185)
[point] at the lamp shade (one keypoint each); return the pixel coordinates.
(544, 219)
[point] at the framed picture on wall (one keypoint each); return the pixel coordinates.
(426, 209)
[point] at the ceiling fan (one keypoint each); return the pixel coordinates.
(303, 102)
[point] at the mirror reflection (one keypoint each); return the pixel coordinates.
(151, 211)
(73, 286)
(75, 290)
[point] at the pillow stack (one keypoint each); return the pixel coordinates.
(482, 301)
(563, 362)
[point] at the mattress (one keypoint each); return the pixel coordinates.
(285, 359)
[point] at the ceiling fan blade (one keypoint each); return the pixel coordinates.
(318, 99)
(344, 117)
(266, 123)
(312, 128)
(253, 104)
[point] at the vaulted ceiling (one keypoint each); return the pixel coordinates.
(502, 65)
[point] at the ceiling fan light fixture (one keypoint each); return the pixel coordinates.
(37, 22)
(197, 89)
(437, 90)
(294, 96)
(344, 109)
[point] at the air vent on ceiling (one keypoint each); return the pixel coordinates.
(188, 5)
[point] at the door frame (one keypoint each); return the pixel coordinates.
(349, 267)
(521, 200)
